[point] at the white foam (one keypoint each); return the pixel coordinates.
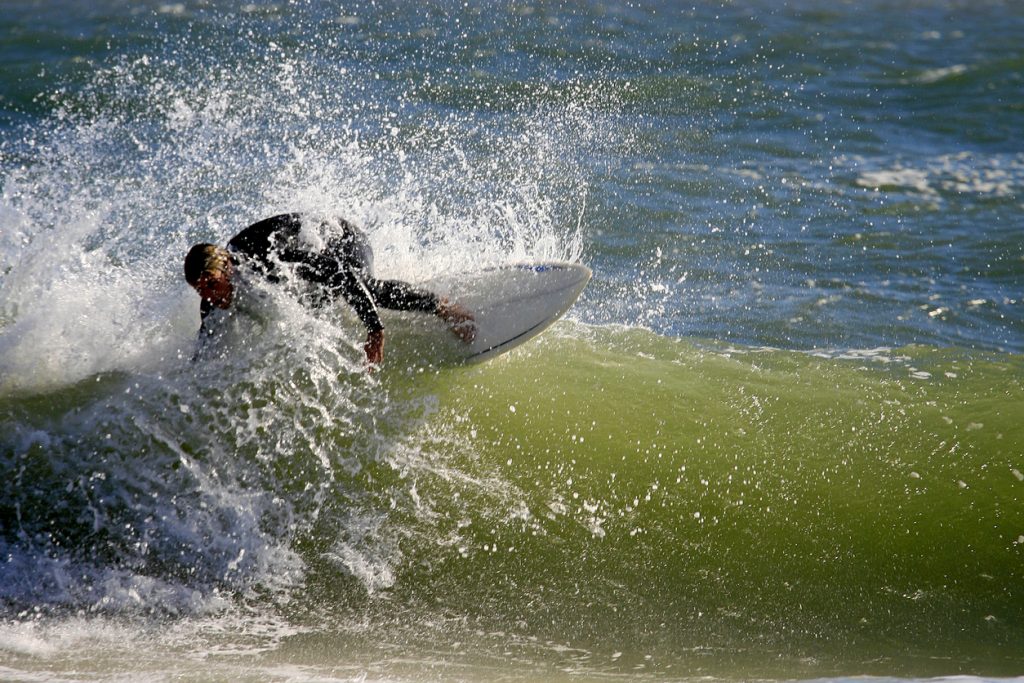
(371, 562)
(23, 639)
(956, 173)
(942, 73)
(903, 178)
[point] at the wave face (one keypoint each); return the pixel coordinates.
(779, 436)
(604, 488)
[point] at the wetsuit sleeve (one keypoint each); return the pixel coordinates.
(205, 309)
(359, 297)
(401, 296)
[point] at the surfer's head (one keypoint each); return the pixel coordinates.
(208, 268)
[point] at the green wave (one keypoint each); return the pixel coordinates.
(630, 492)
(599, 494)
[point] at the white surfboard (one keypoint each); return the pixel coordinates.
(510, 304)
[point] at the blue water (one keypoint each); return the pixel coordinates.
(778, 437)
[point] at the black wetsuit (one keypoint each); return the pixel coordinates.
(343, 267)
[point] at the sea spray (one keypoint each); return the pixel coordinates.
(95, 301)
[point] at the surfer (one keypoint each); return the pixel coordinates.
(344, 266)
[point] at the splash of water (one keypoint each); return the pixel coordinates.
(179, 482)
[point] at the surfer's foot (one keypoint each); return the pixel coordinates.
(460, 318)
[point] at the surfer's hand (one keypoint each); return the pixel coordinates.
(374, 349)
(460, 318)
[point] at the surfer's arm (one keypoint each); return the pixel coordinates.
(205, 308)
(360, 299)
(401, 296)
(358, 296)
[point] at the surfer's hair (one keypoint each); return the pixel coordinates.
(205, 259)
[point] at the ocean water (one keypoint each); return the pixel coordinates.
(780, 436)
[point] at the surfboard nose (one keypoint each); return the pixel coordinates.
(512, 303)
